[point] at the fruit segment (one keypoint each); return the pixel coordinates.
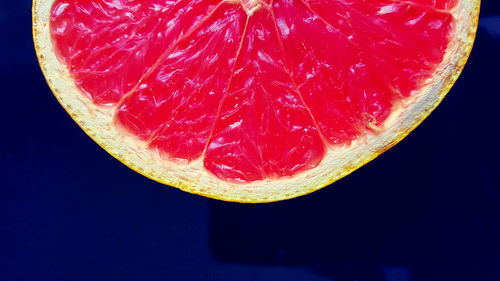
(175, 106)
(264, 130)
(108, 45)
(254, 89)
(362, 64)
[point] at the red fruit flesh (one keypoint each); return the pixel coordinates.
(257, 89)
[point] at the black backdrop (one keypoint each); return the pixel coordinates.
(428, 209)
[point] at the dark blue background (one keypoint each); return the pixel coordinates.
(428, 209)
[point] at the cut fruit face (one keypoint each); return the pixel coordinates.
(251, 100)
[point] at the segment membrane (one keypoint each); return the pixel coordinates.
(175, 106)
(352, 64)
(264, 129)
(108, 45)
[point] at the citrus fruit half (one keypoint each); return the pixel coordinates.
(251, 100)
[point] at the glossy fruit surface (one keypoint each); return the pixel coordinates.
(256, 100)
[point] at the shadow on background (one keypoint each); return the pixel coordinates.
(348, 230)
(425, 210)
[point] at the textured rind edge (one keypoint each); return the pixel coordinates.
(97, 123)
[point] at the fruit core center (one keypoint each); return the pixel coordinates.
(250, 6)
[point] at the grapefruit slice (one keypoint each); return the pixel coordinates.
(251, 100)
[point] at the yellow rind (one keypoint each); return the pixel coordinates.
(193, 178)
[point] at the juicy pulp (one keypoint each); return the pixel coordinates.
(257, 94)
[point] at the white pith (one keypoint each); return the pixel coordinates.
(339, 161)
